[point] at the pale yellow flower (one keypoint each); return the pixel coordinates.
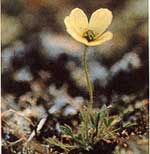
(91, 33)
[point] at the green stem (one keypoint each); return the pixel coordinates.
(89, 83)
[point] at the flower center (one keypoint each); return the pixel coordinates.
(89, 35)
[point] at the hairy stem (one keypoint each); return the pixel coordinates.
(89, 83)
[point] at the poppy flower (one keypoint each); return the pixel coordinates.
(93, 32)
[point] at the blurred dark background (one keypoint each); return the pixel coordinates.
(38, 54)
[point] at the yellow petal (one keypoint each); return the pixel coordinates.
(68, 24)
(103, 38)
(72, 31)
(100, 20)
(79, 21)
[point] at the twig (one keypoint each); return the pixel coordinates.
(39, 127)
(18, 113)
(15, 142)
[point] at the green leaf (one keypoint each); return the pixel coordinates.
(103, 112)
(57, 143)
(77, 137)
(93, 121)
(129, 124)
(81, 116)
(103, 108)
(66, 129)
(106, 122)
(110, 120)
(98, 117)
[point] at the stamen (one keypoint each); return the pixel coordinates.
(89, 35)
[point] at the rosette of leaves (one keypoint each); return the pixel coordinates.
(94, 126)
